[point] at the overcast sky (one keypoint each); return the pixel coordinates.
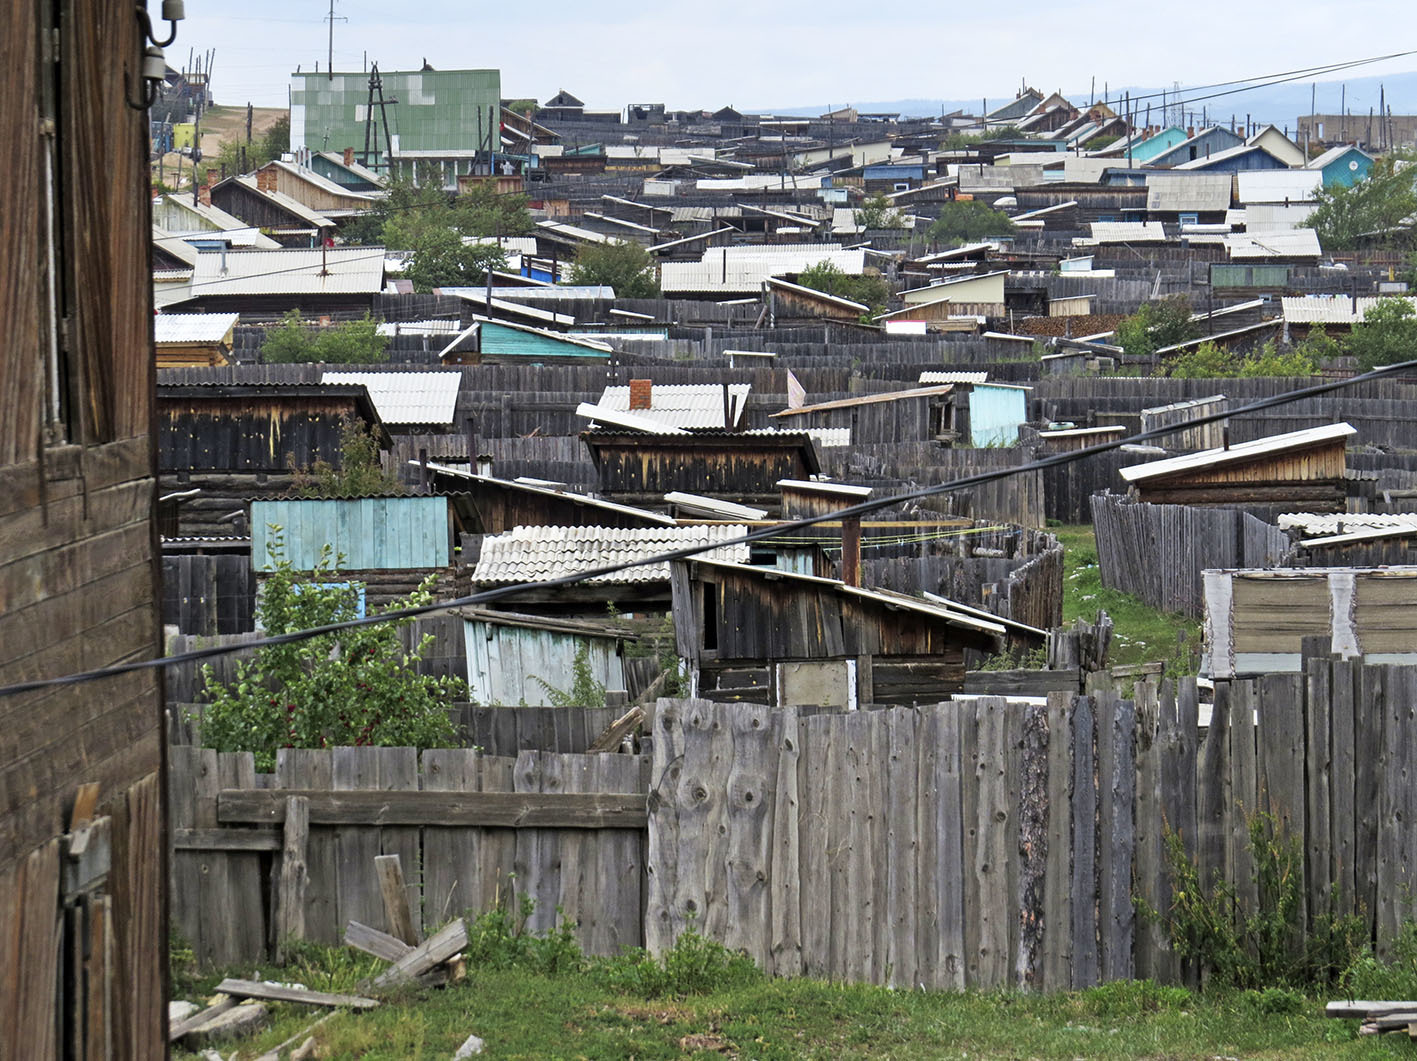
(758, 55)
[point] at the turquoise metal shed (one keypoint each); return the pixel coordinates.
(517, 659)
(371, 533)
(520, 341)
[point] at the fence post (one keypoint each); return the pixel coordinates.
(290, 921)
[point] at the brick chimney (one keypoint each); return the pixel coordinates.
(349, 156)
(212, 177)
(204, 194)
(266, 179)
(641, 393)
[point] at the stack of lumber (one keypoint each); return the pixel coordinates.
(1378, 1017)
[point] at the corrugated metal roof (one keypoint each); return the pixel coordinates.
(953, 377)
(830, 436)
(407, 397)
(323, 183)
(743, 269)
(286, 202)
(539, 554)
(1291, 243)
(683, 405)
(1278, 185)
(424, 327)
(1128, 232)
(193, 327)
(1332, 155)
(1245, 451)
(1261, 219)
(338, 271)
(1314, 523)
(1336, 309)
(577, 292)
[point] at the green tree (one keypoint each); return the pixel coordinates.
(296, 341)
(360, 472)
(1206, 361)
(1384, 204)
(444, 258)
(967, 221)
(267, 147)
(869, 289)
(1155, 325)
(1269, 360)
(355, 687)
(877, 212)
(1387, 335)
(625, 266)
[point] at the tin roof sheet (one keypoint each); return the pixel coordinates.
(540, 554)
(193, 327)
(338, 271)
(682, 405)
(406, 397)
(1290, 243)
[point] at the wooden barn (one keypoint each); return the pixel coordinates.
(792, 302)
(1304, 470)
(767, 636)
(83, 867)
(1256, 620)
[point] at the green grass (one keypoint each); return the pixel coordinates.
(1141, 633)
(602, 1010)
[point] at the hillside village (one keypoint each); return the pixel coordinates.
(885, 546)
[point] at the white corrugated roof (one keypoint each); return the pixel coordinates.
(743, 269)
(577, 292)
(539, 554)
(1245, 451)
(1316, 523)
(407, 397)
(1128, 232)
(1334, 309)
(338, 271)
(1188, 191)
(550, 490)
(424, 327)
(1291, 243)
(1278, 185)
(193, 327)
(953, 377)
(682, 405)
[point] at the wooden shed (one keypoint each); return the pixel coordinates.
(83, 857)
(737, 465)
(526, 659)
(1256, 620)
(1305, 470)
(500, 504)
(1203, 436)
(769, 636)
(921, 414)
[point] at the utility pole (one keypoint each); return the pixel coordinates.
(330, 74)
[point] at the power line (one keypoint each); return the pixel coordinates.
(688, 552)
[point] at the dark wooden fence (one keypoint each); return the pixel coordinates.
(1157, 552)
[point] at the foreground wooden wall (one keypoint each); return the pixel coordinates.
(77, 545)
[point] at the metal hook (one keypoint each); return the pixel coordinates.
(147, 23)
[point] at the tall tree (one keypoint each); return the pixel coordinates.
(1382, 206)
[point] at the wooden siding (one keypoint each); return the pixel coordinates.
(744, 466)
(498, 341)
(517, 665)
(371, 533)
(77, 541)
(213, 433)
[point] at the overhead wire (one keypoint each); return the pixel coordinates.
(688, 552)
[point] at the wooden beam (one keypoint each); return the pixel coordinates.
(226, 840)
(278, 993)
(372, 941)
(447, 943)
(511, 810)
(395, 895)
(196, 1020)
(290, 900)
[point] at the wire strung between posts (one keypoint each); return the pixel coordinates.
(688, 552)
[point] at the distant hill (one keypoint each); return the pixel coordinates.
(1279, 104)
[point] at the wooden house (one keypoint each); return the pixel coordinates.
(233, 442)
(527, 659)
(83, 855)
(768, 636)
(258, 202)
(1256, 620)
(793, 302)
(316, 192)
(1302, 470)
(271, 283)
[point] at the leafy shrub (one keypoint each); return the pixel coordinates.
(358, 686)
(1387, 335)
(1395, 976)
(497, 939)
(585, 690)
(968, 220)
(868, 289)
(621, 264)
(693, 966)
(1274, 1001)
(1206, 361)
(1155, 325)
(359, 474)
(1265, 946)
(297, 341)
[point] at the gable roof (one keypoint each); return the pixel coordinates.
(683, 405)
(193, 327)
(1192, 191)
(540, 554)
(1333, 154)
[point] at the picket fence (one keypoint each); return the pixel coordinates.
(978, 843)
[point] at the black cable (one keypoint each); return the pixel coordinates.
(687, 552)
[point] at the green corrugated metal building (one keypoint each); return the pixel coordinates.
(437, 114)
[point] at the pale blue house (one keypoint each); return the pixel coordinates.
(1342, 166)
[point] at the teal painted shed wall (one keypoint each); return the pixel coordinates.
(1162, 142)
(497, 339)
(372, 533)
(995, 414)
(511, 665)
(1347, 170)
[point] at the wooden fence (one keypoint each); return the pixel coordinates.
(473, 832)
(982, 842)
(1157, 552)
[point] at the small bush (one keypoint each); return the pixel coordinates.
(1125, 998)
(693, 966)
(1274, 1001)
(497, 939)
(1369, 976)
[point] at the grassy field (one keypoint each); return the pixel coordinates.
(715, 1007)
(1142, 634)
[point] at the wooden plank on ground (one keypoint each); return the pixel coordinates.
(372, 941)
(448, 942)
(281, 993)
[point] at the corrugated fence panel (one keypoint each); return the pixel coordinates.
(371, 533)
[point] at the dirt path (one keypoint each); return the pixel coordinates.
(218, 124)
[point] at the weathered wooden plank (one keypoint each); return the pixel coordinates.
(1370, 708)
(662, 850)
(1116, 771)
(278, 993)
(247, 881)
(510, 810)
(902, 839)
(749, 807)
(451, 854)
(397, 915)
(298, 772)
(839, 810)
(446, 943)
(1085, 969)
(1213, 791)
(397, 771)
(811, 863)
(356, 885)
(613, 900)
(785, 872)
(294, 878)
(1055, 974)
(1281, 740)
(859, 936)
(496, 883)
(987, 888)
(1033, 836)
(699, 796)
(1013, 839)
(372, 941)
(538, 872)
(185, 766)
(1393, 871)
(1341, 785)
(877, 844)
(926, 806)
(1244, 792)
